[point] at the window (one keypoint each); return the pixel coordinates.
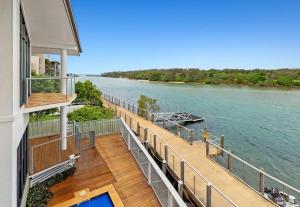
(22, 165)
(24, 58)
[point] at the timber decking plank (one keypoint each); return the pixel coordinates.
(40, 99)
(109, 163)
(130, 182)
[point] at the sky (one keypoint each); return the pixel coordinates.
(121, 35)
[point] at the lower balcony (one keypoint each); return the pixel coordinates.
(46, 93)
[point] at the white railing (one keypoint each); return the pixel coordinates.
(181, 131)
(63, 85)
(162, 187)
(50, 153)
(252, 176)
(101, 127)
(196, 183)
(52, 127)
(47, 128)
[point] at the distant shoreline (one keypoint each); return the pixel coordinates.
(280, 78)
(210, 84)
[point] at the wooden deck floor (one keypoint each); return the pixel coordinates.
(108, 163)
(50, 154)
(41, 99)
(195, 155)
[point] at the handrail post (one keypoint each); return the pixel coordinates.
(207, 148)
(145, 134)
(78, 137)
(190, 137)
(229, 161)
(180, 188)
(92, 137)
(208, 195)
(222, 145)
(154, 142)
(261, 181)
(152, 117)
(125, 118)
(205, 135)
(164, 167)
(74, 128)
(138, 128)
(130, 122)
(166, 153)
(182, 170)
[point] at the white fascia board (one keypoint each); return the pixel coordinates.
(48, 106)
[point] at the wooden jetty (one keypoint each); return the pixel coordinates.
(177, 117)
(196, 156)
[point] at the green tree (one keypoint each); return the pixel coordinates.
(87, 92)
(88, 113)
(47, 114)
(146, 105)
(284, 81)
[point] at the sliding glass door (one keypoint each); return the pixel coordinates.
(24, 59)
(22, 165)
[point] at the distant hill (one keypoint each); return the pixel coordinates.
(257, 77)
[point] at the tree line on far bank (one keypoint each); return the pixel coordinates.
(257, 77)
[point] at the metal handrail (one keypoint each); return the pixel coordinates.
(167, 183)
(51, 78)
(194, 170)
(151, 113)
(43, 144)
(55, 140)
(72, 78)
(253, 167)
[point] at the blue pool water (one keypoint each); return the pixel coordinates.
(99, 201)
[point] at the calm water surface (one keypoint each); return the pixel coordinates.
(260, 125)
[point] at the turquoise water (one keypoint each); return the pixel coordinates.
(262, 126)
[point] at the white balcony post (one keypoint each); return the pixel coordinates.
(63, 70)
(63, 127)
(63, 111)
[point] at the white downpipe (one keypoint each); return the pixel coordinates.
(63, 111)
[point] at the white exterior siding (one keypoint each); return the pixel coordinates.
(12, 122)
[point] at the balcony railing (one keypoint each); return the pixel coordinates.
(49, 90)
(164, 190)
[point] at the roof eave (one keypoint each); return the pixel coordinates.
(69, 10)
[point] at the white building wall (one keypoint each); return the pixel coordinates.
(35, 64)
(12, 121)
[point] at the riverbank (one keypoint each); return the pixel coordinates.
(212, 84)
(257, 77)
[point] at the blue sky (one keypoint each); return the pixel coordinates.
(141, 34)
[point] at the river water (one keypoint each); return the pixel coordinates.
(260, 125)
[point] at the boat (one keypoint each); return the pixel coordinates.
(280, 198)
